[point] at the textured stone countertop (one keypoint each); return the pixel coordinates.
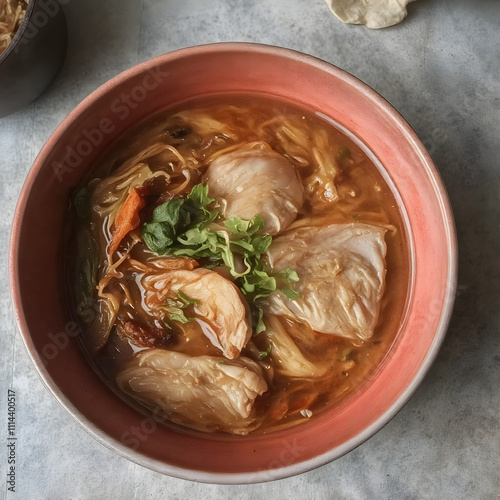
(441, 69)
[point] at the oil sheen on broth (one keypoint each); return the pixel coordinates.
(240, 265)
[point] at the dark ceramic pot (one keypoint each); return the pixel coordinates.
(31, 61)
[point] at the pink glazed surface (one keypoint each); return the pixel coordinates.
(37, 279)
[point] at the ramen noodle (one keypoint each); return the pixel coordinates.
(11, 16)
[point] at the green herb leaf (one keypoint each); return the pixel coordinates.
(174, 307)
(259, 282)
(199, 197)
(291, 294)
(180, 317)
(174, 217)
(258, 319)
(158, 237)
(289, 275)
(169, 212)
(266, 353)
(185, 300)
(250, 227)
(285, 279)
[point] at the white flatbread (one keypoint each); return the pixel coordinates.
(373, 13)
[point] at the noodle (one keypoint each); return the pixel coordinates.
(11, 16)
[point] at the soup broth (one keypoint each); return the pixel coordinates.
(158, 308)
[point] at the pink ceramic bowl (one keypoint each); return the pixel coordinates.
(37, 279)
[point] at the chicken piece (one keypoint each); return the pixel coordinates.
(219, 304)
(204, 392)
(341, 270)
(256, 180)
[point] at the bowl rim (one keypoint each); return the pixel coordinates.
(286, 470)
(20, 31)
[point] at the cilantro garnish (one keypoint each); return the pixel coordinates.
(266, 353)
(189, 227)
(174, 307)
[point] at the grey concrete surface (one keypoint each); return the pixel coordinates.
(441, 69)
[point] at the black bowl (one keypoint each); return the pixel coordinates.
(35, 55)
